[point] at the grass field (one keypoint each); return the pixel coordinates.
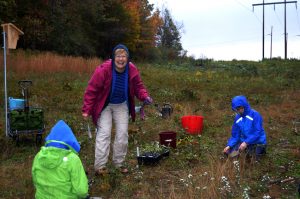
(196, 168)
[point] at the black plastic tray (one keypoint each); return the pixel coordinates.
(149, 158)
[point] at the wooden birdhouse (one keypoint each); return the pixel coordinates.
(12, 35)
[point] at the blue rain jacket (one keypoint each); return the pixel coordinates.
(247, 127)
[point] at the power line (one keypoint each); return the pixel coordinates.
(278, 17)
(298, 20)
(249, 10)
(246, 7)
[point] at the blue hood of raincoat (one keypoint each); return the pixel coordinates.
(62, 133)
(240, 101)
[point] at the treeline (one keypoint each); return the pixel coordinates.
(92, 27)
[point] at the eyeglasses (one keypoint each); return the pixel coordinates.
(121, 56)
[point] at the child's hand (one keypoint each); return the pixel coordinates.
(243, 146)
(226, 149)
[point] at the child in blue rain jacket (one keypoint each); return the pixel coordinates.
(247, 132)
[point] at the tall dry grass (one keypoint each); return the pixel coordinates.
(47, 62)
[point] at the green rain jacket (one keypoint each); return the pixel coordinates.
(57, 170)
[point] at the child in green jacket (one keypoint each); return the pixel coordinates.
(57, 170)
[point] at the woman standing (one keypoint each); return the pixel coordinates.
(109, 97)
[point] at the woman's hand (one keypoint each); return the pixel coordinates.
(148, 101)
(85, 116)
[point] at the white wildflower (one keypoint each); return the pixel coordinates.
(266, 197)
(236, 165)
(226, 184)
(237, 171)
(245, 193)
(265, 178)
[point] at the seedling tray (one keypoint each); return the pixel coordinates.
(150, 158)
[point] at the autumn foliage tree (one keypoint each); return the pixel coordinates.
(144, 27)
(89, 28)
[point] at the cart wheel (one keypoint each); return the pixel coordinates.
(14, 137)
(17, 139)
(38, 139)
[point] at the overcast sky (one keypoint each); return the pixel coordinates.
(232, 29)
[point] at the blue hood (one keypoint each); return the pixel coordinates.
(61, 132)
(240, 101)
(119, 46)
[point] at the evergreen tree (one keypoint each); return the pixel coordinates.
(168, 37)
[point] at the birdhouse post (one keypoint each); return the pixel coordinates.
(10, 38)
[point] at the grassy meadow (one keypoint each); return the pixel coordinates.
(197, 167)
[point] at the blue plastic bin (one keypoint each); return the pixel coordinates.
(16, 103)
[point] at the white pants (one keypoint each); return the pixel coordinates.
(117, 113)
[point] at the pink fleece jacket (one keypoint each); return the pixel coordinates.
(99, 87)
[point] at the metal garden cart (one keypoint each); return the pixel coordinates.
(26, 120)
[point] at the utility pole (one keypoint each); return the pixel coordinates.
(271, 34)
(263, 32)
(285, 34)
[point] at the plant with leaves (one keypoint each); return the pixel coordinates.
(153, 148)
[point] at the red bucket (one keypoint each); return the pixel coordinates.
(168, 138)
(192, 124)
